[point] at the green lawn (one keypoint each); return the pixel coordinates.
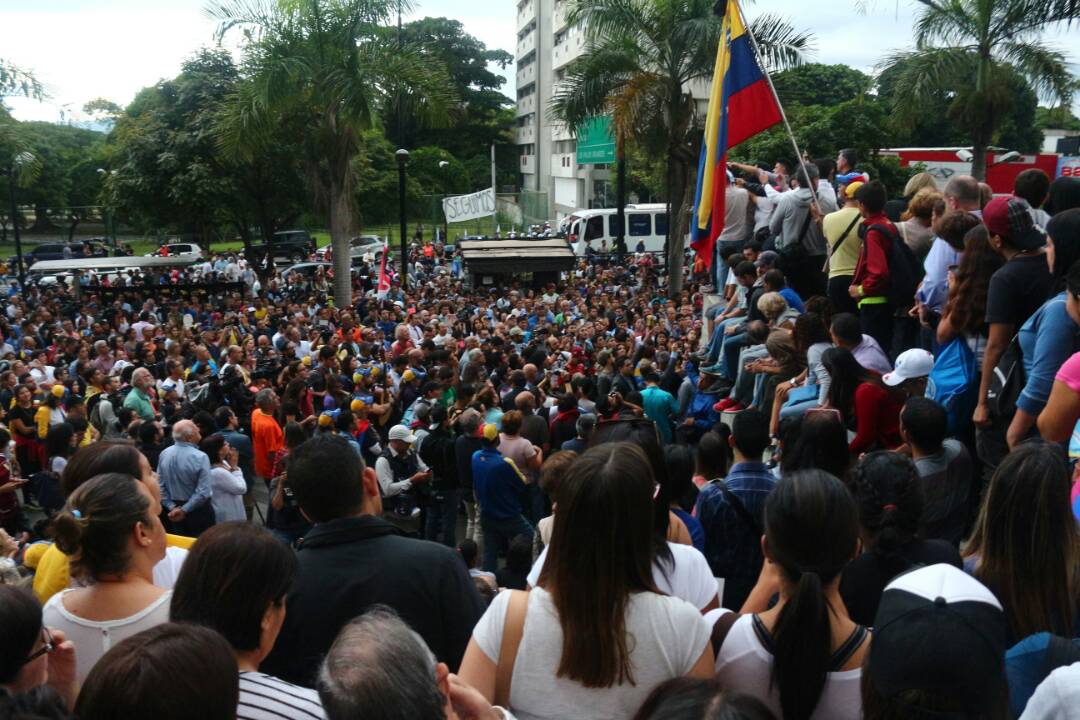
(141, 245)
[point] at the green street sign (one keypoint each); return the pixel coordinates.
(595, 142)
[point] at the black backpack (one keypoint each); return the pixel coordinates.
(1007, 381)
(905, 270)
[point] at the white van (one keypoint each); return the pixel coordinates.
(645, 222)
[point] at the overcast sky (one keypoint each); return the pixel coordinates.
(84, 49)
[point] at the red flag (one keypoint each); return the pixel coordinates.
(384, 278)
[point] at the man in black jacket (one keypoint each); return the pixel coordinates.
(352, 560)
(437, 452)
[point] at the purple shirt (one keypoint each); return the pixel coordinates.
(871, 356)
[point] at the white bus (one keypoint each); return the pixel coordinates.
(645, 222)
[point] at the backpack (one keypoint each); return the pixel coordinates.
(954, 383)
(1007, 381)
(905, 270)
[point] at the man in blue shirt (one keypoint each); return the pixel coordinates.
(498, 485)
(732, 510)
(184, 470)
(659, 405)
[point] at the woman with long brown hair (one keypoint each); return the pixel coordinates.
(1025, 546)
(969, 284)
(594, 637)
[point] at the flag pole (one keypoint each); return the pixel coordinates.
(776, 97)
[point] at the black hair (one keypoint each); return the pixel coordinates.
(815, 441)
(222, 416)
(211, 446)
(714, 456)
(1064, 195)
(58, 440)
(751, 432)
(1064, 229)
(325, 476)
(811, 533)
(468, 550)
(845, 374)
(925, 423)
(139, 677)
(680, 462)
(851, 155)
(20, 628)
(1032, 185)
(774, 279)
(686, 698)
(519, 555)
(745, 268)
(872, 196)
(846, 327)
(890, 505)
(147, 433)
(229, 579)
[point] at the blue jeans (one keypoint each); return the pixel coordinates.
(716, 343)
(729, 357)
(497, 536)
(442, 518)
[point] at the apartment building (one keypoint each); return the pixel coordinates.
(546, 149)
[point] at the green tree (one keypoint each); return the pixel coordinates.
(15, 80)
(964, 53)
(1058, 117)
(818, 84)
(641, 57)
(332, 66)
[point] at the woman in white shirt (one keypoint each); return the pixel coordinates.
(803, 656)
(594, 636)
(111, 531)
(227, 486)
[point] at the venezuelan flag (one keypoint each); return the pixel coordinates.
(741, 105)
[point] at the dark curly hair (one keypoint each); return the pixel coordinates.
(966, 307)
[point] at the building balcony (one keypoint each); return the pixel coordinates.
(527, 164)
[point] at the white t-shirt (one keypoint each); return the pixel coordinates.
(743, 664)
(668, 638)
(1057, 697)
(690, 579)
(94, 638)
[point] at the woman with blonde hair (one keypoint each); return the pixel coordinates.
(916, 227)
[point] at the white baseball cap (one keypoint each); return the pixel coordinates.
(400, 432)
(910, 364)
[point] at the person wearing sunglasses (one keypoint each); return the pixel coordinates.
(37, 664)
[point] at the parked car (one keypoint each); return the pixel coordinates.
(55, 251)
(177, 250)
(293, 246)
(358, 247)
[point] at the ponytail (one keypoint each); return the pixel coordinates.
(811, 527)
(890, 505)
(802, 646)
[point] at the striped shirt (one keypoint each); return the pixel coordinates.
(263, 697)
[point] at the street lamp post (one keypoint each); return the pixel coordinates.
(20, 266)
(444, 166)
(402, 156)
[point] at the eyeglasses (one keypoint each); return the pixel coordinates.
(47, 646)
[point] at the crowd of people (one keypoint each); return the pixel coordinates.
(832, 478)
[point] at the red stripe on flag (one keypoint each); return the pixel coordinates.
(750, 111)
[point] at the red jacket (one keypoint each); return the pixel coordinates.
(872, 270)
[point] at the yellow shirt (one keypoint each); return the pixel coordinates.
(53, 572)
(847, 255)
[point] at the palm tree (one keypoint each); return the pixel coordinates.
(21, 167)
(332, 67)
(640, 60)
(966, 48)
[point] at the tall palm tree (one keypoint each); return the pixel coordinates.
(332, 67)
(640, 60)
(965, 47)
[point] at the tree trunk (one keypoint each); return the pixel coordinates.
(71, 228)
(677, 225)
(980, 141)
(340, 224)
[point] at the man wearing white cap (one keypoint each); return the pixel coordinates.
(911, 376)
(400, 473)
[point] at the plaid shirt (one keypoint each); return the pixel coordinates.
(732, 548)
